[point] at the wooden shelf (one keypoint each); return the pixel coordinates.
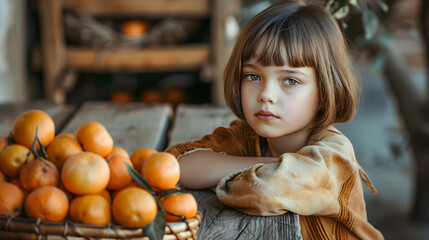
(153, 59)
(140, 7)
(55, 58)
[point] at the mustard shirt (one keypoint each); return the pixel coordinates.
(321, 182)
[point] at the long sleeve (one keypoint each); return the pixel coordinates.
(237, 140)
(307, 182)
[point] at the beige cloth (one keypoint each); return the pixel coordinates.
(320, 182)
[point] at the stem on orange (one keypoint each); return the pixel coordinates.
(33, 150)
(42, 147)
(139, 179)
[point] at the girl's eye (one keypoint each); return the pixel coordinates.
(252, 77)
(291, 82)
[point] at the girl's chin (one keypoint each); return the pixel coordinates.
(267, 133)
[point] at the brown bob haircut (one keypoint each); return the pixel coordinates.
(311, 38)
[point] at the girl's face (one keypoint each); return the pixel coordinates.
(279, 101)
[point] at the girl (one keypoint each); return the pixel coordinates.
(288, 80)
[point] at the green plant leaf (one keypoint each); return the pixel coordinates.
(370, 23)
(383, 5)
(354, 3)
(156, 229)
(342, 12)
(329, 6)
(138, 178)
(333, 5)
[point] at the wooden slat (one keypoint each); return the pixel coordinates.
(140, 7)
(148, 59)
(9, 112)
(194, 121)
(135, 59)
(131, 126)
(53, 48)
(223, 222)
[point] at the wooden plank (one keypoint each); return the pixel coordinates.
(168, 58)
(155, 8)
(53, 49)
(194, 121)
(9, 112)
(223, 222)
(132, 126)
(147, 59)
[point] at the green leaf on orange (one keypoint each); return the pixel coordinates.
(156, 229)
(139, 179)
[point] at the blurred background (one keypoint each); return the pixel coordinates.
(165, 51)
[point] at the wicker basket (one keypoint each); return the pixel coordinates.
(24, 228)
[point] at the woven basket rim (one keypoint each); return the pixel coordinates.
(19, 225)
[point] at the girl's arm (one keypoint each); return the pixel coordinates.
(308, 182)
(204, 169)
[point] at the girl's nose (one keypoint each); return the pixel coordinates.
(267, 94)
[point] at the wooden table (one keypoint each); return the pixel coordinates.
(139, 125)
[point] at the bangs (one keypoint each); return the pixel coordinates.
(299, 35)
(290, 41)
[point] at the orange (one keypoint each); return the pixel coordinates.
(131, 184)
(3, 178)
(17, 183)
(94, 137)
(69, 195)
(175, 95)
(37, 173)
(134, 207)
(67, 136)
(106, 195)
(134, 28)
(140, 155)
(152, 95)
(90, 209)
(47, 203)
(11, 199)
(119, 175)
(4, 142)
(24, 128)
(120, 150)
(122, 97)
(161, 170)
(61, 149)
(12, 159)
(183, 204)
(85, 173)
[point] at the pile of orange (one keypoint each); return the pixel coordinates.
(83, 176)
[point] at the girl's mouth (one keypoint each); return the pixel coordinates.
(266, 115)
